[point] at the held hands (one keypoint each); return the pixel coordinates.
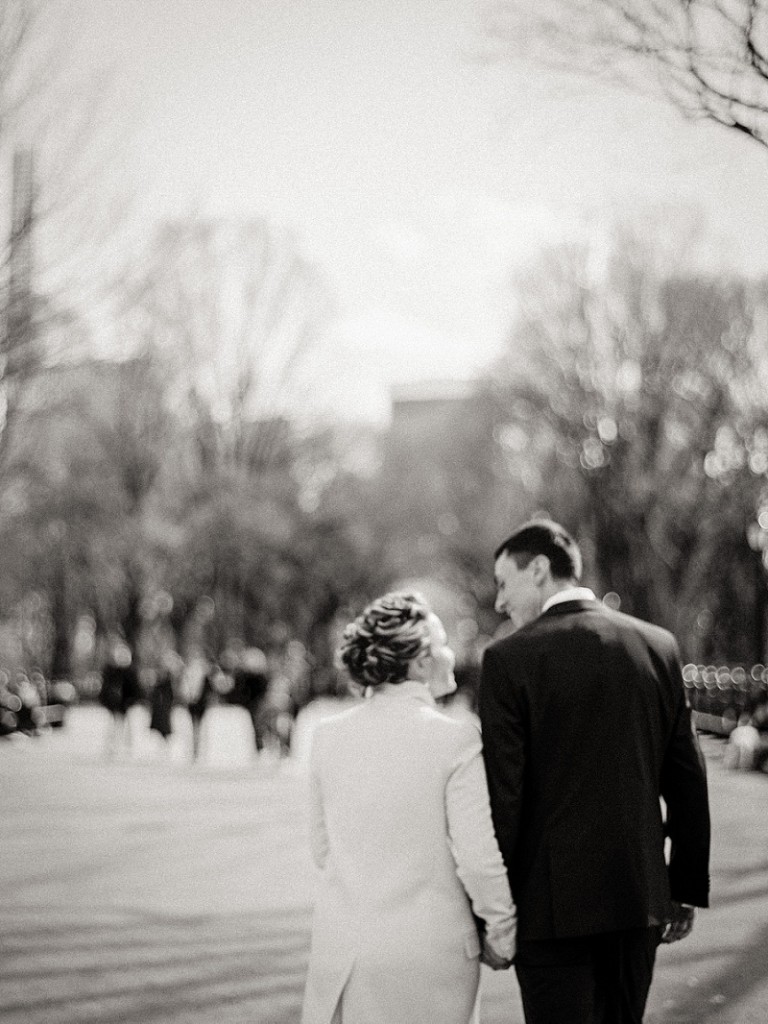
(680, 923)
(493, 958)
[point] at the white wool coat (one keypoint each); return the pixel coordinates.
(401, 828)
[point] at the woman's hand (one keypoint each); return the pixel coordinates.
(493, 958)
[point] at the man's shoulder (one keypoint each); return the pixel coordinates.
(541, 630)
(512, 643)
(656, 635)
(514, 649)
(597, 618)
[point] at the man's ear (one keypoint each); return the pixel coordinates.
(540, 569)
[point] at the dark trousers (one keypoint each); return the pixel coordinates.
(596, 979)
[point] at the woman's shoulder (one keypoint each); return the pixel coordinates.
(338, 717)
(328, 722)
(462, 729)
(458, 738)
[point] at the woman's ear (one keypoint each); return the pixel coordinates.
(420, 664)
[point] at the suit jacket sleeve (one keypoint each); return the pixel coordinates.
(684, 789)
(502, 716)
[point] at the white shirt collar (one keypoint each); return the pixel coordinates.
(569, 594)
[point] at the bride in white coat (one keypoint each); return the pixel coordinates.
(401, 828)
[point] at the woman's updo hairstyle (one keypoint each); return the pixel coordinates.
(379, 646)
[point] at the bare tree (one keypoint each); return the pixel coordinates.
(233, 308)
(709, 57)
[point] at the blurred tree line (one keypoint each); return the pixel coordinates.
(167, 497)
(164, 496)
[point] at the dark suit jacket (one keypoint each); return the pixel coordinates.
(585, 727)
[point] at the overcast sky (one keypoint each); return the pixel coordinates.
(415, 175)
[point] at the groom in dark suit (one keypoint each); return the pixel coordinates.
(585, 727)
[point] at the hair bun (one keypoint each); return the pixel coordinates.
(379, 646)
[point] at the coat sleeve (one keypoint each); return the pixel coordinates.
(318, 834)
(684, 789)
(474, 847)
(502, 716)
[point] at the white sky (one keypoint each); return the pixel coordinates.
(416, 176)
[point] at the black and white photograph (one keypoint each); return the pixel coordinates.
(384, 511)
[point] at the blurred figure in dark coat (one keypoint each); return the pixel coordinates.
(251, 680)
(162, 696)
(119, 692)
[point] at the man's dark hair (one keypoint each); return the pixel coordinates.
(544, 537)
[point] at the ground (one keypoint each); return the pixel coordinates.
(146, 889)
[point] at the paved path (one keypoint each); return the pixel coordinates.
(150, 890)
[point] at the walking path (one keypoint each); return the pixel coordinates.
(147, 889)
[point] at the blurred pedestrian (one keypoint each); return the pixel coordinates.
(744, 745)
(30, 704)
(10, 706)
(251, 680)
(760, 722)
(280, 713)
(760, 713)
(119, 692)
(199, 692)
(162, 697)
(585, 728)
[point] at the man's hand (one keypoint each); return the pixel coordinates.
(493, 959)
(680, 923)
